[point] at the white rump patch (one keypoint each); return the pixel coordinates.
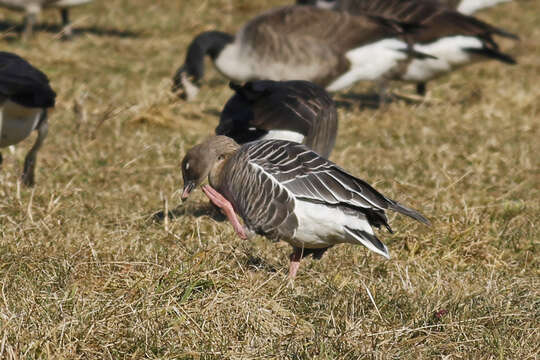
(469, 7)
(371, 62)
(449, 53)
(320, 226)
(284, 135)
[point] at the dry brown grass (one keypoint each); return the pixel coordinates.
(86, 271)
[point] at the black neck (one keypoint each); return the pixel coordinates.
(209, 43)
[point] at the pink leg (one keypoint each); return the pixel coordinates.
(218, 200)
(296, 256)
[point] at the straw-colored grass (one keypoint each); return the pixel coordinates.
(87, 269)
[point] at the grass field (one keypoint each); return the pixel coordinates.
(89, 270)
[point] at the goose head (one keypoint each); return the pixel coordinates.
(205, 160)
(188, 76)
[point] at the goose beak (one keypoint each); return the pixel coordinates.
(188, 187)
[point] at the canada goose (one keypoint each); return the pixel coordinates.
(283, 190)
(329, 48)
(453, 39)
(32, 9)
(25, 96)
(298, 111)
(467, 7)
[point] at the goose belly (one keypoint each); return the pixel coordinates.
(371, 62)
(320, 226)
(284, 135)
(17, 123)
(450, 53)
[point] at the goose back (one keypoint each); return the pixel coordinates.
(23, 84)
(303, 42)
(261, 107)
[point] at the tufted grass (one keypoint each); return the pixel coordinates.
(89, 269)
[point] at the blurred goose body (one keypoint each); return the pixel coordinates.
(25, 96)
(32, 8)
(332, 49)
(452, 39)
(298, 111)
(467, 7)
(284, 190)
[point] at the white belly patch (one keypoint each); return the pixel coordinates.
(17, 123)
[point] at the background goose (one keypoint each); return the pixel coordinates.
(25, 95)
(453, 39)
(283, 190)
(332, 49)
(467, 7)
(298, 111)
(32, 9)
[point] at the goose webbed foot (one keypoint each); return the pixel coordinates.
(224, 204)
(294, 265)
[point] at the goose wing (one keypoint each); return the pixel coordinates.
(23, 83)
(314, 41)
(308, 176)
(266, 207)
(438, 20)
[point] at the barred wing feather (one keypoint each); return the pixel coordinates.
(308, 176)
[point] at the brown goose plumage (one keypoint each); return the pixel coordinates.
(466, 7)
(283, 190)
(289, 110)
(289, 43)
(452, 38)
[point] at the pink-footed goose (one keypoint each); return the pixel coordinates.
(298, 111)
(283, 190)
(32, 8)
(467, 7)
(25, 96)
(452, 39)
(332, 49)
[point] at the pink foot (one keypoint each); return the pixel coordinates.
(224, 204)
(296, 256)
